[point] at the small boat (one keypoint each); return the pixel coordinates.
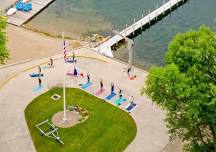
(19, 6)
(25, 1)
(27, 7)
(11, 11)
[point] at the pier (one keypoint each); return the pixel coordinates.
(22, 17)
(105, 48)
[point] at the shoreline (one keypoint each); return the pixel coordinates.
(84, 39)
(14, 32)
(26, 44)
(47, 33)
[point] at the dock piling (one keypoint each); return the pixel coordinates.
(141, 22)
(125, 30)
(133, 26)
(156, 12)
(149, 17)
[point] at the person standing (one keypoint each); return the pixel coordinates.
(112, 88)
(39, 69)
(131, 100)
(39, 81)
(73, 57)
(75, 71)
(51, 62)
(120, 93)
(88, 77)
(129, 71)
(101, 84)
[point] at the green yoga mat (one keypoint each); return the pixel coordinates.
(120, 101)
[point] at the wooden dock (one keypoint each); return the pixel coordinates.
(105, 48)
(22, 17)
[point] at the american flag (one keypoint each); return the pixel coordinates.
(65, 51)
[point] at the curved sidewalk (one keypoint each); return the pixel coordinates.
(18, 92)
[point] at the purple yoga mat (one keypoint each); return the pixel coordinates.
(99, 92)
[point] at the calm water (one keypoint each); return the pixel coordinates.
(80, 17)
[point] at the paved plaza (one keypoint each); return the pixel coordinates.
(16, 92)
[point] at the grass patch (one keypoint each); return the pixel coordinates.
(108, 128)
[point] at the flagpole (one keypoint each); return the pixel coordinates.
(64, 84)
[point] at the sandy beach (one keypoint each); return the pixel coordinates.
(25, 44)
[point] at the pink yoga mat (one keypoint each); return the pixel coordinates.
(99, 92)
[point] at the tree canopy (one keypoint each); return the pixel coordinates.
(3, 40)
(186, 88)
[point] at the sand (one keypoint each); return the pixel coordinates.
(25, 44)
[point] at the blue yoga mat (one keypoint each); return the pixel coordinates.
(129, 108)
(48, 67)
(86, 85)
(120, 101)
(35, 75)
(109, 97)
(38, 89)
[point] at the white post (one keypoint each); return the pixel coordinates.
(163, 7)
(130, 57)
(125, 30)
(141, 22)
(149, 17)
(133, 26)
(170, 6)
(156, 11)
(64, 84)
(130, 49)
(141, 26)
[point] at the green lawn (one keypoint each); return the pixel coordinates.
(108, 128)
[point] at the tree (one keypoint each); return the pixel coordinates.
(186, 89)
(3, 40)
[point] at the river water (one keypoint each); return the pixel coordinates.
(81, 17)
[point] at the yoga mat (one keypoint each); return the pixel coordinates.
(130, 108)
(86, 85)
(120, 101)
(35, 75)
(71, 74)
(99, 92)
(78, 75)
(132, 78)
(38, 89)
(48, 67)
(109, 97)
(71, 61)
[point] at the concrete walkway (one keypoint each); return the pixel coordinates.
(17, 92)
